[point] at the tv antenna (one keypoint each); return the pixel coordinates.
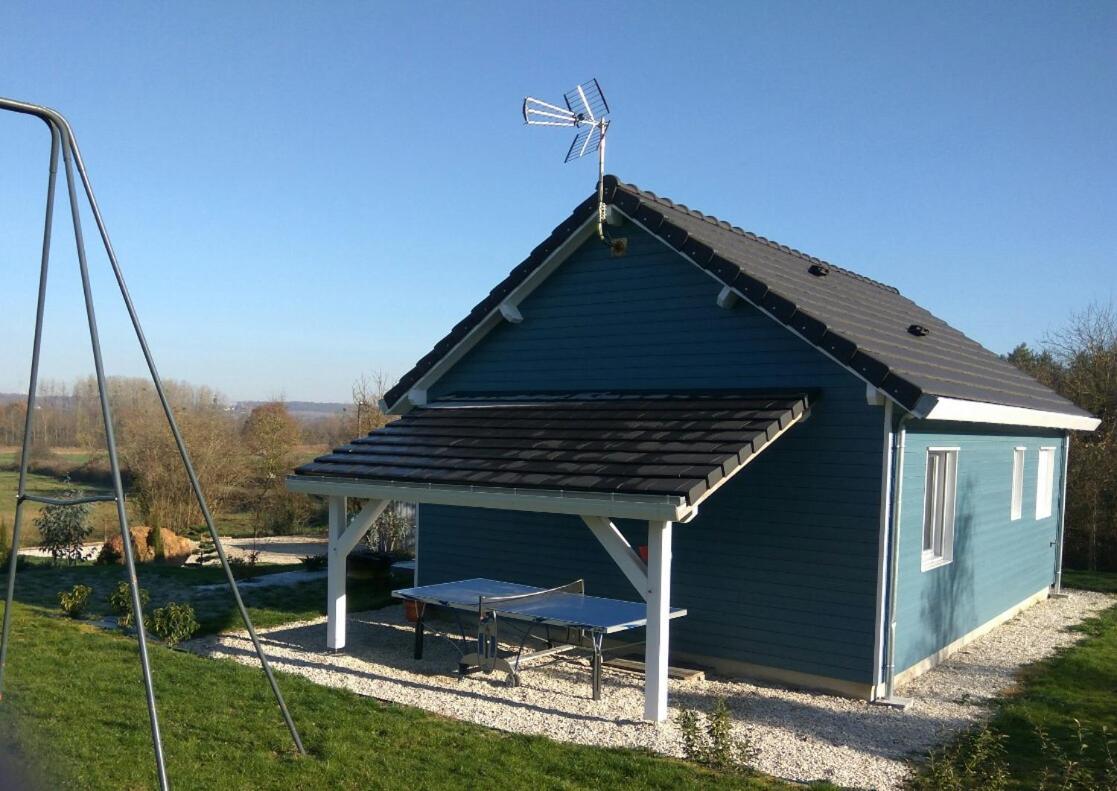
(63, 141)
(585, 110)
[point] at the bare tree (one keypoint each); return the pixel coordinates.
(368, 392)
(271, 437)
(1080, 361)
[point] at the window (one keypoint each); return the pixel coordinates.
(1017, 483)
(938, 506)
(1045, 482)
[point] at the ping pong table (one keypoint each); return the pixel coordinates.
(584, 621)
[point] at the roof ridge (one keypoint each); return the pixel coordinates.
(664, 201)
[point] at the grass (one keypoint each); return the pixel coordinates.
(39, 584)
(1072, 690)
(102, 516)
(1101, 581)
(74, 709)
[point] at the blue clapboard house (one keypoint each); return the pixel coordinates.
(839, 487)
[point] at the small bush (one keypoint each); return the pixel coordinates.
(121, 602)
(713, 742)
(314, 562)
(5, 541)
(244, 567)
(75, 601)
(64, 528)
(174, 623)
(107, 556)
(975, 760)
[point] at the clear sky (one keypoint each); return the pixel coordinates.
(300, 192)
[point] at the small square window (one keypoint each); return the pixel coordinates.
(938, 507)
(1045, 482)
(1017, 483)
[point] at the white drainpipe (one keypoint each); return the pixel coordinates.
(894, 564)
(1061, 538)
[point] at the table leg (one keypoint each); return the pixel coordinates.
(419, 630)
(597, 640)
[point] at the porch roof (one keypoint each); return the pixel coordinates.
(640, 455)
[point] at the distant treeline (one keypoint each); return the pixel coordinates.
(241, 457)
(70, 417)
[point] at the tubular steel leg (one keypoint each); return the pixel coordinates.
(114, 463)
(194, 484)
(25, 454)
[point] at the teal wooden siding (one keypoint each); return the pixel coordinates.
(997, 562)
(779, 569)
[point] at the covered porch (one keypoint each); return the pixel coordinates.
(601, 457)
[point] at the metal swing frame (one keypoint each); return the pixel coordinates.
(64, 141)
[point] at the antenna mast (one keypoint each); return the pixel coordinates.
(585, 110)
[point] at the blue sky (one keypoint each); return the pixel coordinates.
(301, 192)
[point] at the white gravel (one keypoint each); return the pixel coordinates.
(798, 735)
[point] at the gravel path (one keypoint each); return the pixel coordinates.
(798, 735)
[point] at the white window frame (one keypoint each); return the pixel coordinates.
(1016, 507)
(1045, 482)
(940, 497)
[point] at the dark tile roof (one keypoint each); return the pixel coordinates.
(867, 326)
(632, 443)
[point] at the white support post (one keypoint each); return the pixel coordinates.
(344, 535)
(659, 604)
(335, 577)
(621, 552)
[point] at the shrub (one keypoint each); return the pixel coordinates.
(5, 542)
(121, 602)
(314, 562)
(64, 528)
(714, 743)
(107, 556)
(244, 567)
(75, 600)
(974, 760)
(174, 623)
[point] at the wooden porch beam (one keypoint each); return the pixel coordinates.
(622, 553)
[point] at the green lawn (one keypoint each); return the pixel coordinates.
(74, 710)
(1103, 581)
(1072, 696)
(102, 516)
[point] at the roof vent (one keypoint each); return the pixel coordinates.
(918, 330)
(819, 270)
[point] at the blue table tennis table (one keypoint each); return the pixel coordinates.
(584, 621)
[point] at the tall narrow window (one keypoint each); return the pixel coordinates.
(938, 506)
(1045, 482)
(1017, 482)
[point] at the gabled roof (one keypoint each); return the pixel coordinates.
(911, 356)
(680, 445)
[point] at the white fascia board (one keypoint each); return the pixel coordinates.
(498, 314)
(963, 411)
(646, 507)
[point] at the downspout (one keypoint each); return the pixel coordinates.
(880, 611)
(894, 562)
(1061, 537)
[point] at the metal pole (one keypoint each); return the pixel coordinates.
(114, 463)
(194, 483)
(25, 455)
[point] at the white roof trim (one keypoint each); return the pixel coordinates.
(963, 411)
(498, 314)
(619, 506)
